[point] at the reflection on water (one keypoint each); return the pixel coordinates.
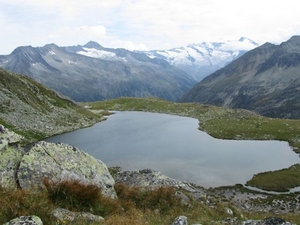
(175, 146)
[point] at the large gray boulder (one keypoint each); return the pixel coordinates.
(57, 162)
(10, 156)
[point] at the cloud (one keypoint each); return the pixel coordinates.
(77, 35)
(128, 45)
(151, 24)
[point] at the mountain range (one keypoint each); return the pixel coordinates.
(92, 72)
(265, 80)
(76, 73)
(202, 59)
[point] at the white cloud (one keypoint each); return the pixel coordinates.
(128, 45)
(136, 24)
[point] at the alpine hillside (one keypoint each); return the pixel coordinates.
(91, 72)
(201, 60)
(265, 80)
(35, 112)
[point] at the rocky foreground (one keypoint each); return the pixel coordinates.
(58, 162)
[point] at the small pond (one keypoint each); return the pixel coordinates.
(175, 146)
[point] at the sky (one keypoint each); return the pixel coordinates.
(144, 24)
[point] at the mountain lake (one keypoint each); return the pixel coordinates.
(176, 147)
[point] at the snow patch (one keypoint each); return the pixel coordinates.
(51, 52)
(95, 53)
(72, 62)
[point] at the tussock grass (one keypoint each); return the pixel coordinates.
(15, 203)
(77, 196)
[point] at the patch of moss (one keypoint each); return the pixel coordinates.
(279, 180)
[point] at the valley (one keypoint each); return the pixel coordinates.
(97, 80)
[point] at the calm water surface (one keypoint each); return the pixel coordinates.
(175, 146)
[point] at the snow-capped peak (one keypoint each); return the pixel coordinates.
(201, 59)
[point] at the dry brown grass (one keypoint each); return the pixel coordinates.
(15, 203)
(75, 195)
(134, 206)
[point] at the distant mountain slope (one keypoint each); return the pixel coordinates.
(265, 79)
(76, 73)
(200, 60)
(35, 111)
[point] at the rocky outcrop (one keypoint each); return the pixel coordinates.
(25, 220)
(151, 179)
(183, 220)
(148, 178)
(267, 221)
(8, 137)
(59, 162)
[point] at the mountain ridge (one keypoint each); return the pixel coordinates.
(85, 78)
(265, 80)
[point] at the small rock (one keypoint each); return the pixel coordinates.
(229, 211)
(90, 217)
(64, 214)
(185, 200)
(25, 220)
(68, 216)
(181, 220)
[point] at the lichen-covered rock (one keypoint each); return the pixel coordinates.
(25, 220)
(10, 157)
(8, 137)
(65, 215)
(267, 221)
(180, 220)
(153, 179)
(57, 162)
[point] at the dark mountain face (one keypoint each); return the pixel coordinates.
(265, 80)
(85, 78)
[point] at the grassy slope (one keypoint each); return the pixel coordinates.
(226, 123)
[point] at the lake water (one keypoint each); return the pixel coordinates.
(175, 146)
